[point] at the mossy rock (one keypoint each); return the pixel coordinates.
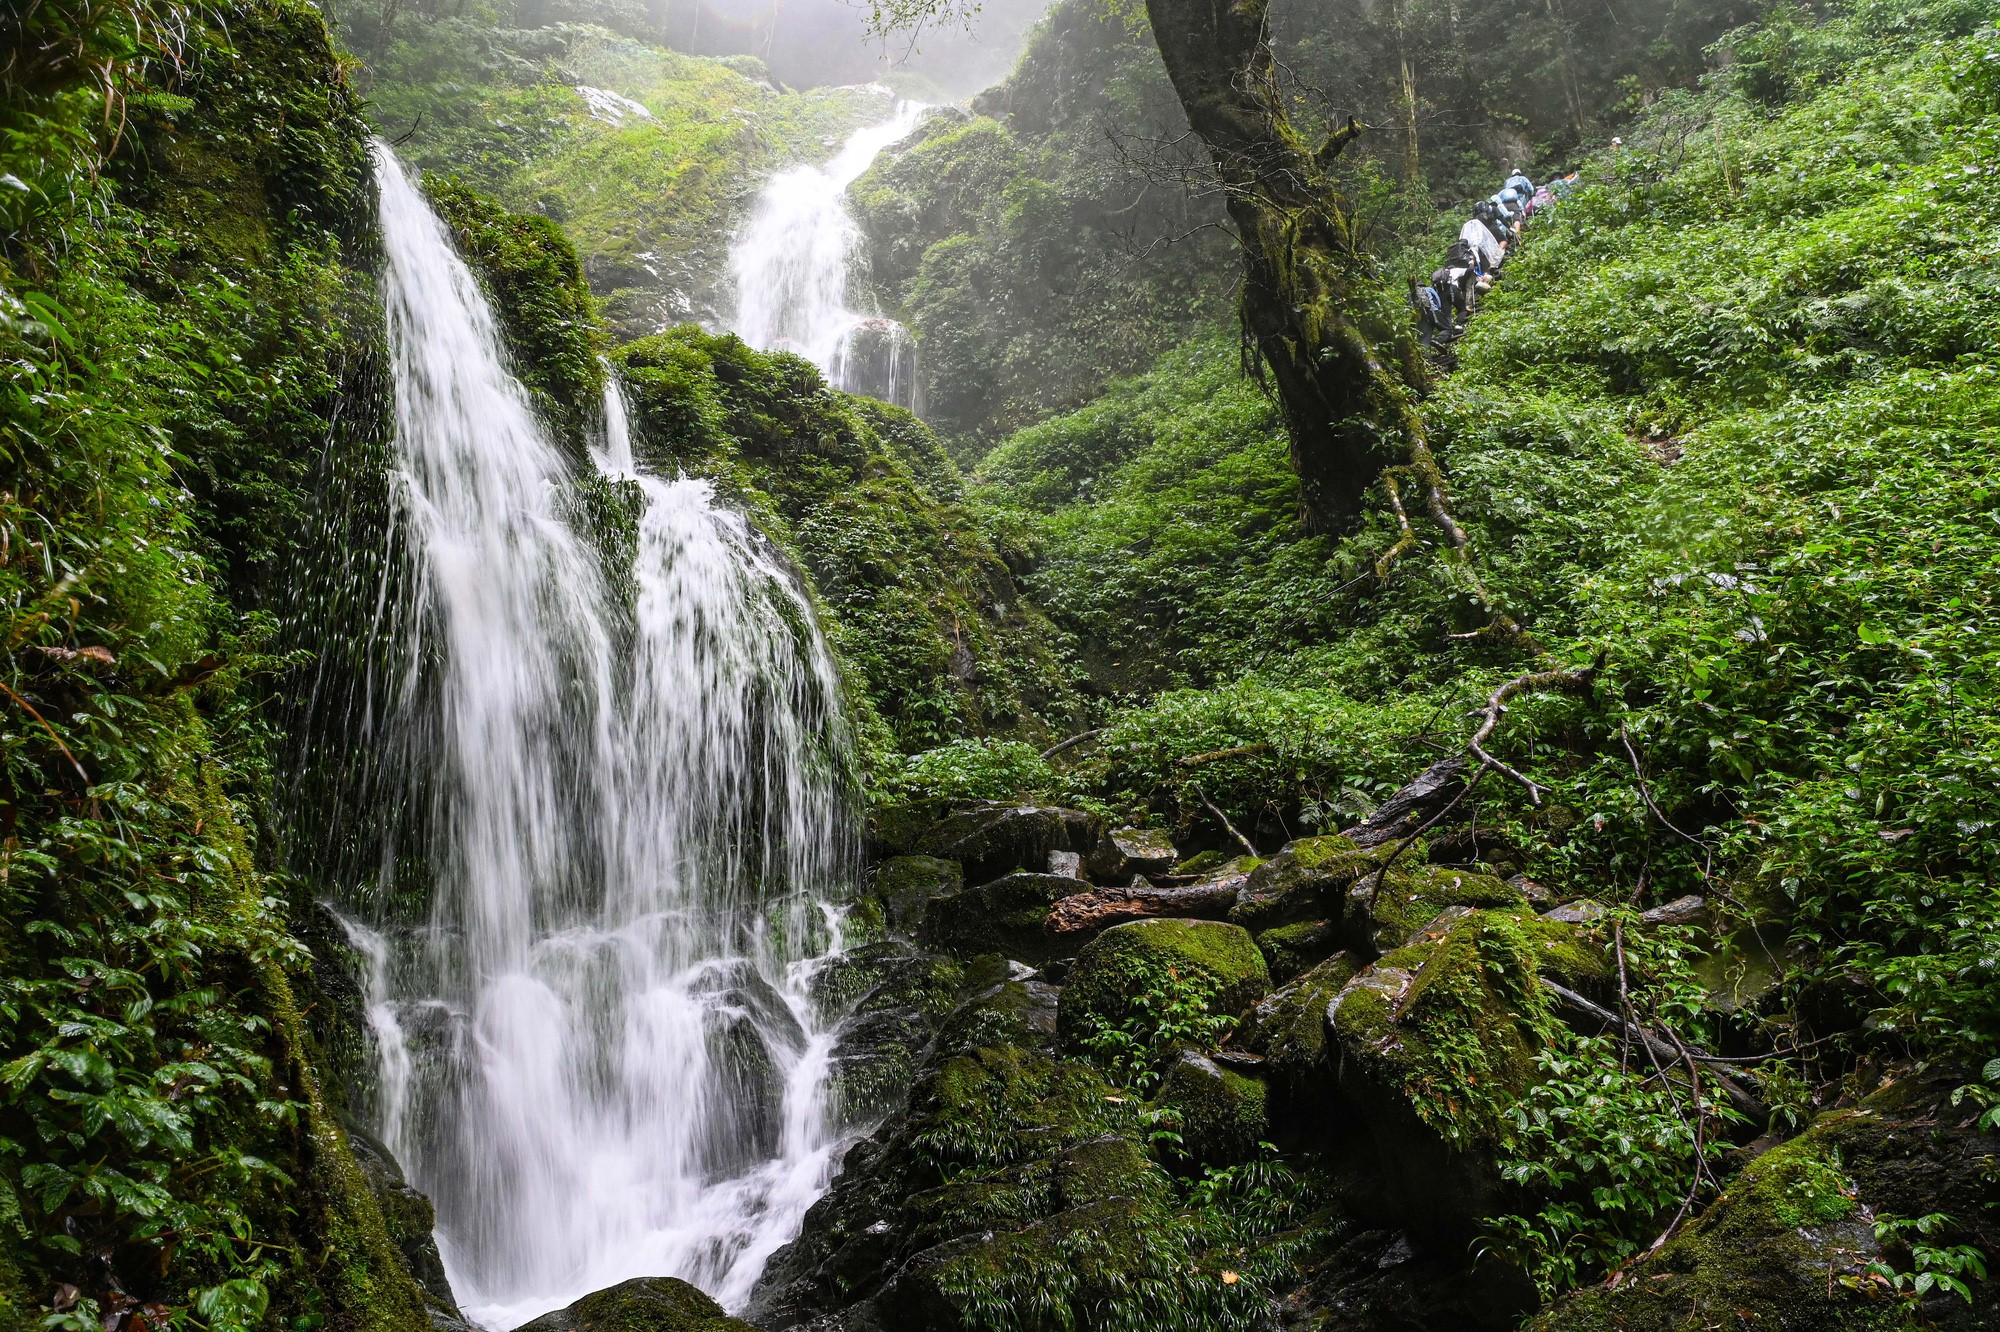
(1435, 1041)
(1777, 1249)
(643, 1304)
(1012, 1013)
(546, 312)
(1124, 852)
(1288, 1026)
(1308, 879)
(1222, 1114)
(1377, 922)
(907, 885)
(991, 840)
(1292, 950)
(1007, 915)
(1116, 969)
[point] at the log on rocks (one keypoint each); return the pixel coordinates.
(1102, 908)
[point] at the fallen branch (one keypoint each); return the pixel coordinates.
(1072, 743)
(1241, 840)
(1217, 755)
(29, 708)
(1671, 1051)
(1560, 678)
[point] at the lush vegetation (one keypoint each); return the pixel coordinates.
(1721, 436)
(181, 187)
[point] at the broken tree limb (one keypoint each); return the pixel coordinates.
(1664, 1050)
(1496, 706)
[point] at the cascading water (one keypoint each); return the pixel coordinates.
(791, 266)
(598, 1055)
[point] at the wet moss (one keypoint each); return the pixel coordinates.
(1293, 949)
(644, 1304)
(1448, 1026)
(1220, 1114)
(546, 311)
(1114, 976)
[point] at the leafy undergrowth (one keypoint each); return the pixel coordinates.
(1728, 426)
(170, 344)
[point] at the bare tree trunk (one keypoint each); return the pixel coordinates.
(1413, 174)
(1339, 347)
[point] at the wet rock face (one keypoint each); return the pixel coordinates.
(1788, 1245)
(1006, 915)
(411, 1221)
(1220, 1113)
(643, 1304)
(907, 885)
(753, 1034)
(1124, 852)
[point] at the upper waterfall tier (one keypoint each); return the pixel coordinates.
(792, 263)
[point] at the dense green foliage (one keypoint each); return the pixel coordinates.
(174, 321)
(1724, 427)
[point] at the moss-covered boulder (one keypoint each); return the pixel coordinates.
(1431, 1044)
(1014, 1012)
(1291, 950)
(906, 886)
(1307, 880)
(1789, 1244)
(1124, 852)
(1376, 920)
(643, 1304)
(1007, 915)
(995, 839)
(1122, 972)
(1219, 1113)
(1288, 1028)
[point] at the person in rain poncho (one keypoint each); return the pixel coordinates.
(1475, 234)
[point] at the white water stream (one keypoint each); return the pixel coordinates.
(791, 267)
(597, 1056)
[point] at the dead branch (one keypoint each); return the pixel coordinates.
(1217, 755)
(1535, 681)
(1241, 840)
(1671, 1050)
(29, 708)
(1072, 743)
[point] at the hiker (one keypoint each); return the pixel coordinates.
(1475, 234)
(1521, 185)
(1461, 255)
(1453, 284)
(1488, 212)
(1431, 318)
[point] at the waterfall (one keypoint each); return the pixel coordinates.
(791, 268)
(597, 1055)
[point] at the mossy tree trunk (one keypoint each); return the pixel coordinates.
(1339, 347)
